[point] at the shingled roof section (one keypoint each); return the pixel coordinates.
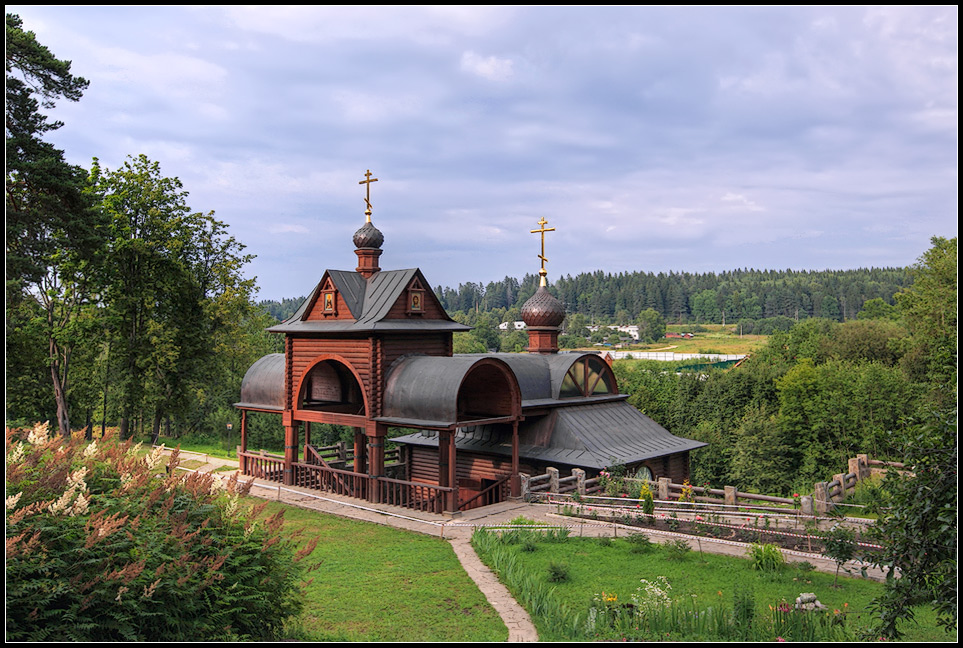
(369, 302)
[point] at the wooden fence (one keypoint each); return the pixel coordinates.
(825, 494)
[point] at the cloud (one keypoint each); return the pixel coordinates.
(742, 201)
(491, 67)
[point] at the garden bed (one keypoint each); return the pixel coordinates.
(709, 526)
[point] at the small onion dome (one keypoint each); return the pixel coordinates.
(543, 310)
(368, 236)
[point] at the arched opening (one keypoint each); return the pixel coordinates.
(588, 376)
(487, 392)
(330, 386)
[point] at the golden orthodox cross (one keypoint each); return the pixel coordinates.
(542, 223)
(367, 199)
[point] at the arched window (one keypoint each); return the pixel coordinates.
(588, 376)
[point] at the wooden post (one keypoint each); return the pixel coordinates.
(841, 478)
(242, 460)
(290, 452)
(514, 484)
(446, 468)
(664, 488)
(806, 505)
(579, 475)
(360, 455)
(307, 440)
(821, 497)
(376, 457)
(525, 488)
(552, 479)
(731, 495)
(452, 472)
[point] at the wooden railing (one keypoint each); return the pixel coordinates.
(340, 454)
(331, 480)
(413, 495)
(263, 465)
(495, 493)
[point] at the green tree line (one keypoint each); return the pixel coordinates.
(682, 297)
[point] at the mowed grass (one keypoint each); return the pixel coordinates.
(707, 580)
(377, 583)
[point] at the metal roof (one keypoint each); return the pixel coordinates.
(539, 375)
(428, 388)
(369, 301)
(592, 436)
(263, 384)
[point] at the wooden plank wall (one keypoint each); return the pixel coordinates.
(355, 351)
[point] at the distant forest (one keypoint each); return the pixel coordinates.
(680, 297)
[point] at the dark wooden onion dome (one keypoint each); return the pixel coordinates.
(543, 314)
(372, 349)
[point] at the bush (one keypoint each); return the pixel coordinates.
(558, 572)
(639, 543)
(103, 545)
(766, 557)
(677, 549)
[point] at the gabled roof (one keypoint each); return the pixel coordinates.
(369, 302)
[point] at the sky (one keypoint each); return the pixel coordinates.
(653, 139)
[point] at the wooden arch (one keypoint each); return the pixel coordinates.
(333, 385)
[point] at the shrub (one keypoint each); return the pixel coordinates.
(677, 549)
(558, 572)
(841, 546)
(766, 557)
(102, 545)
(639, 543)
(648, 502)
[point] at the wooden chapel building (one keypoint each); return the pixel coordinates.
(372, 349)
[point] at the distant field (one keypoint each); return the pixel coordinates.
(715, 339)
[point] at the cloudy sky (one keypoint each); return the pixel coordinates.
(654, 139)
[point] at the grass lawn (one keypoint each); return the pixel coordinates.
(709, 580)
(376, 583)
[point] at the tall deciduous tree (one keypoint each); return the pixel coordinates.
(174, 293)
(929, 309)
(53, 235)
(920, 532)
(651, 326)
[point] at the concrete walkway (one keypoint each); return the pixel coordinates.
(458, 530)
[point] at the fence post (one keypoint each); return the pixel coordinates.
(806, 504)
(863, 464)
(821, 497)
(731, 495)
(853, 467)
(841, 478)
(663, 488)
(552, 479)
(525, 486)
(579, 475)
